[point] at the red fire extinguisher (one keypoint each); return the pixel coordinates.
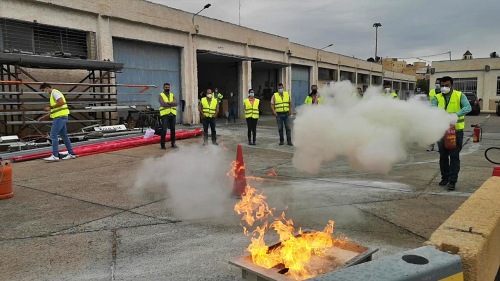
(450, 138)
(476, 137)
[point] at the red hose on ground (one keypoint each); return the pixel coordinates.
(114, 145)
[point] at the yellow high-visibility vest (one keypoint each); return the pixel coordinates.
(309, 100)
(167, 110)
(208, 109)
(60, 111)
(282, 104)
(454, 106)
(252, 111)
(432, 94)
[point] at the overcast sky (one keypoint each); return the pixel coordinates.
(410, 28)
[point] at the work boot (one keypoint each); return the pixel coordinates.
(290, 143)
(174, 145)
(443, 182)
(249, 143)
(451, 186)
(253, 143)
(282, 143)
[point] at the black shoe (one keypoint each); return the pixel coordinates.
(451, 186)
(174, 145)
(215, 143)
(289, 143)
(282, 143)
(253, 143)
(249, 143)
(443, 182)
(163, 148)
(205, 143)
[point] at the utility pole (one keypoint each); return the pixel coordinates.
(376, 25)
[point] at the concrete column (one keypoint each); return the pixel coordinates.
(245, 83)
(104, 39)
(189, 71)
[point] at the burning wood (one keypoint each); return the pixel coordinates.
(294, 252)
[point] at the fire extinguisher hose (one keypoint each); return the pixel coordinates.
(486, 154)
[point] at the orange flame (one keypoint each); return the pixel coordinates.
(293, 251)
(272, 173)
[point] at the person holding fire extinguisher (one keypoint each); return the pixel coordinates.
(454, 102)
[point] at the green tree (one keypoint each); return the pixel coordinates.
(423, 84)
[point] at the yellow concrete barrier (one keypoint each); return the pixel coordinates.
(473, 232)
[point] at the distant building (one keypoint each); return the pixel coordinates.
(481, 75)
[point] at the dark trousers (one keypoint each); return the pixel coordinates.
(232, 112)
(252, 128)
(209, 121)
(283, 119)
(449, 159)
(167, 121)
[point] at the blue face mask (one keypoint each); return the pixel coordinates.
(251, 95)
(280, 91)
(437, 86)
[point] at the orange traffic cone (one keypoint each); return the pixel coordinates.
(240, 180)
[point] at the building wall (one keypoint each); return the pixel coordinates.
(149, 22)
(474, 68)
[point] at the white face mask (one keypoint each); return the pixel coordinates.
(209, 96)
(280, 91)
(445, 90)
(251, 95)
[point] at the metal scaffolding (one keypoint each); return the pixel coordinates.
(92, 100)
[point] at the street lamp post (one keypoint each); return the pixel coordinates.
(317, 53)
(376, 25)
(204, 7)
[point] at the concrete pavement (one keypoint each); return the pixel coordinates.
(83, 220)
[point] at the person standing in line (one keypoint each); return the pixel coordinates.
(388, 91)
(251, 105)
(233, 107)
(432, 95)
(168, 113)
(59, 112)
(313, 98)
(436, 90)
(219, 97)
(281, 106)
(209, 108)
(454, 102)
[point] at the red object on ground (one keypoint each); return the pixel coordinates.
(114, 145)
(5, 180)
(240, 179)
(496, 171)
(476, 137)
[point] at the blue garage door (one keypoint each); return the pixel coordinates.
(147, 64)
(300, 84)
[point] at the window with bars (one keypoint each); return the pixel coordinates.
(39, 39)
(465, 84)
(498, 86)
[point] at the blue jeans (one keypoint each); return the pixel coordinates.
(449, 159)
(59, 127)
(232, 112)
(283, 119)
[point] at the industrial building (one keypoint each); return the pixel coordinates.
(155, 44)
(481, 75)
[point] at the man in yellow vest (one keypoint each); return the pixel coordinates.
(432, 95)
(209, 108)
(436, 90)
(251, 105)
(453, 102)
(59, 114)
(313, 98)
(281, 105)
(168, 113)
(388, 91)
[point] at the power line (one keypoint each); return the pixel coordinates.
(416, 57)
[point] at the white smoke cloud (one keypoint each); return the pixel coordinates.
(194, 178)
(373, 133)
